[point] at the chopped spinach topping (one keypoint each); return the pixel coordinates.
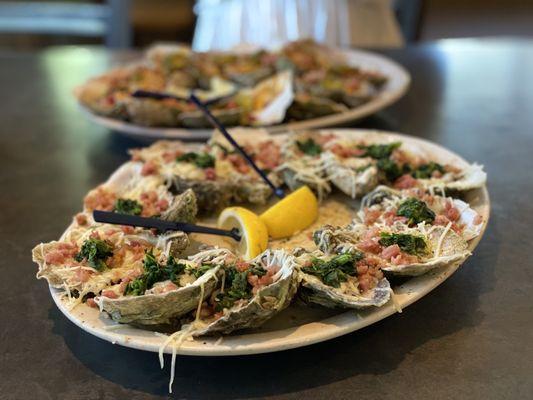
(416, 211)
(309, 147)
(425, 171)
(126, 206)
(95, 251)
(335, 270)
(238, 288)
(201, 160)
(154, 272)
(380, 151)
(199, 271)
(411, 244)
(391, 170)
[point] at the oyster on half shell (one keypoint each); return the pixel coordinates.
(265, 303)
(439, 245)
(160, 306)
(346, 294)
(387, 201)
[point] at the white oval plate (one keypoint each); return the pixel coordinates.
(396, 86)
(297, 325)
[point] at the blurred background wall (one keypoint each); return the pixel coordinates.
(124, 23)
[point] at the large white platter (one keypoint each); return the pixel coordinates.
(297, 325)
(396, 86)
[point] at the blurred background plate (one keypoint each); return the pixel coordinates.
(396, 86)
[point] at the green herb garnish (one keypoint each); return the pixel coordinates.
(153, 273)
(95, 251)
(425, 171)
(309, 147)
(380, 151)
(335, 270)
(199, 271)
(238, 288)
(390, 169)
(126, 206)
(411, 244)
(201, 160)
(416, 211)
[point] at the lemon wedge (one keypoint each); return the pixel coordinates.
(254, 232)
(291, 214)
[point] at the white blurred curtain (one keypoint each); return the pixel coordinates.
(223, 24)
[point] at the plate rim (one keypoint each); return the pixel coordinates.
(209, 346)
(401, 78)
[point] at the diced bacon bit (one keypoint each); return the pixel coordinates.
(61, 252)
(167, 287)
(95, 235)
(353, 84)
(443, 220)
(136, 156)
(241, 265)
(370, 245)
(436, 174)
(268, 155)
(239, 163)
(478, 219)
(265, 280)
(149, 168)
(83, 275)
(404, 258)
(451, 212)
(170, 156)
(405, 182)
(218, 315)
(452, 168)
(391, 251)
(100, 199)
(371, 215)
(123, 285)
(91, 303)
(152, 205)
(362, 269)
(81, 219)
(399, 157)
(345, 152)
(390, 217)
(365, 282)
(210, 174)
(323, 139)
(128, 230)
(109, 294)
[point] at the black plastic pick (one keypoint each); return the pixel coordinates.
(161, 225)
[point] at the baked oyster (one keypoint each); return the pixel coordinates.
(402, 250)
(347, 280)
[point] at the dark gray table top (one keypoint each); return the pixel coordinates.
(470, 338)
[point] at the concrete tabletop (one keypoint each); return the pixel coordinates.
(471, 338)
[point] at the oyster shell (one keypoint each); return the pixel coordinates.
(353, 176)
(268, 101)
(443, 246)
(347, 295)
(305, 107)
(453, 248)
(210, 195)
(161, 309)
(268, 300)
(183, 208)
(384, 199)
